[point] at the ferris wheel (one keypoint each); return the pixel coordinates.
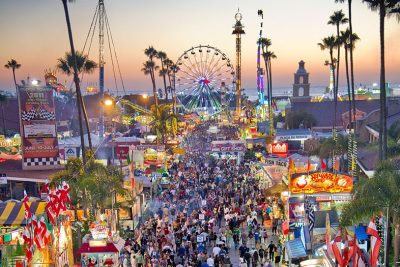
(205, 80)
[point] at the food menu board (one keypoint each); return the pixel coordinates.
(321, 182)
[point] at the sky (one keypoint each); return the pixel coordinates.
(35, 34)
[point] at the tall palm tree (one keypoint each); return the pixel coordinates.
(162, 56)
(385, 8)
(13, 65)
(336, 19)
(329, 43)
(345, 39)
(151, 66)
(83, 65)
(3, 100)
(349, 5)
(80, 104)
(374, 196)
(173, 70)
(267, 56)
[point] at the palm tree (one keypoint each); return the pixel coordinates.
(345, 39)
(3, 100)
(349, 4)
(151, 66)
(13, 65)
(329, 43)
(385, 8)
(148, 69)
(376, 195)
(84, 64)
(336, 19)
(80, 104)
(165, 122)
(162, 56)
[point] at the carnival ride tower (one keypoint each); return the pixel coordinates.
(260, 74)
(101, 65)
(238, 31)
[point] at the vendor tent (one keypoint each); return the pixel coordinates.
(13, 214)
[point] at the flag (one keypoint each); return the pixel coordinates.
(328, 234)
(28, 213)
(309, 210)
(308, 165)
(376, 242)
(357, 257)
(45, 234)
(336, 247)
(37, 232)
(323, 164)
(336, 165)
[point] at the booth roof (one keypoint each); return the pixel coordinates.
(14, 172)
(13, 214)
(85, 248)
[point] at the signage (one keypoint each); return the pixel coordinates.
(342, 197)
(227, 146)
(3, 178)
(70, 152)
(278, 162)
(321, 182)
(294, 137)
(323, 198)
(9, 142)
(122, 152)
(144, 147)
(38, 127)
(279, 148)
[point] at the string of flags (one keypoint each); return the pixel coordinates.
(38, 232)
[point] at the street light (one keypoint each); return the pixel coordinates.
(108, 102)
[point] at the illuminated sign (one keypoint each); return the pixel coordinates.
(321, 182)
(227, 146)
(279, 148)
(278, 162)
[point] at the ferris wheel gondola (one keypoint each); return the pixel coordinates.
(204, 80)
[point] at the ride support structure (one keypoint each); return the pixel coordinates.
(261, 109)
(238, 31)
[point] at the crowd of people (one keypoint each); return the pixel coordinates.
(212, 212)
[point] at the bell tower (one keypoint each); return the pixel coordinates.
(301, 85)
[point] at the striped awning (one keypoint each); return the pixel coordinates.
(13, 214)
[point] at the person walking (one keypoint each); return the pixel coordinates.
(271, 249)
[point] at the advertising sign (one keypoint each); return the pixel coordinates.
(279, 148)
(228, 146)
(38, 127)
(70, 152)
(321, 182)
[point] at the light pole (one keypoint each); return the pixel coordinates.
(145, 97)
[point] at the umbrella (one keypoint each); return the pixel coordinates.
(165, 174)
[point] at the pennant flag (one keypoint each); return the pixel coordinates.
(336, 165)
(328, 235)
(323, 164)
(308, 165)
(28, 213)
(336, 247)
(309, 210)
(376, 242)
(357, 257)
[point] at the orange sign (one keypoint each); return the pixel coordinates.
(279, 148)
(321, 182)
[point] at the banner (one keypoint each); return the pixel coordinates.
(227, 146)
(38, 127)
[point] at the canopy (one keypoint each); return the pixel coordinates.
(295, 248)
(12, 213)
(276, 189)
(179, 151)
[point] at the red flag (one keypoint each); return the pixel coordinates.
(323, 165)
(376, 242)
(336, 165)
(28, 213)
(336, 247)
(308, 165)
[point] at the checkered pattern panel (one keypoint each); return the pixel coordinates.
(41, 161)
(41, 114)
